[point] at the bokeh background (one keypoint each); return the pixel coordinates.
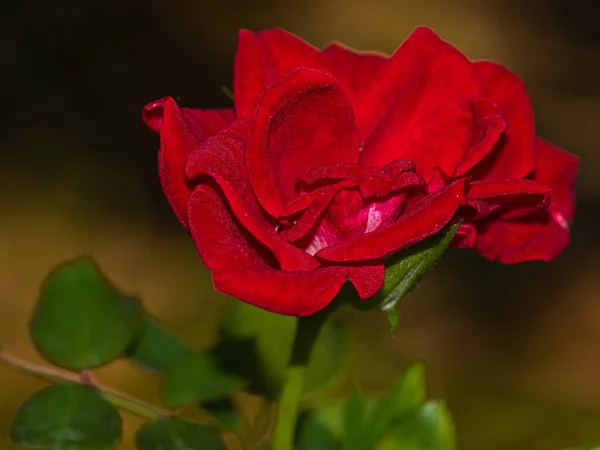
(514, 349)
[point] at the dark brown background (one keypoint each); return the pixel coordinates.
(515, 349)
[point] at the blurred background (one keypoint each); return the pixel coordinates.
(514, 349)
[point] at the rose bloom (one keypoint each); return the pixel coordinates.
(332, 160)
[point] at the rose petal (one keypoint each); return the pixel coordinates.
(241, 267)
(537, 237)
(354, 69)
(181, 129)
(557, 169)
(451, 137)
(499, 188)
(203, 122)
(531, 234)
(488, 126)
(465, 237)
(423, 73)
(221, 157)
(372, 184)
(176, 141)
(303, 120)
(510, 199)
(263, 58)
(374, 188)
(426, 219)
(367, 280)
(514, 156)
(153, 114)
(340, 171)
(290, 293)
(320, 200)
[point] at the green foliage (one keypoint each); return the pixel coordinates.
(406, 396)
(81, 321)
(224, 411)
(156, 348)
(198, 377)
(175, 434)
(66, 417)
(429, 427)
(271, 336)
(404, 270)
(401, 419)
(323, 428)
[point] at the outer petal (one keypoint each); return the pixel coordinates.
(204, 122)
(557, 169)
(181, 130)
(507, 199)
(263, 58)
(536, 237)
(423, 73)
(426, 219)
(354, 69)
(451, 137)
(514, 156)
(367, 280)
(499, 188)
(303, 120)
(241, 266)
(221, 157)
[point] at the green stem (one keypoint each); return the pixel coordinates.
(134, 406)
(60, 376)
(307, 332)
(287, 411)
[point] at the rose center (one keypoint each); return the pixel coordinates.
(349, 217)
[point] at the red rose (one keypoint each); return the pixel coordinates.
(333, 160)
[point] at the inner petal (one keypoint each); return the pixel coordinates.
(350, 216)
(303, 120)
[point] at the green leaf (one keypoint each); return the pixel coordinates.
(66, 417)
(199, 378)
(156, 348)
(362, 422)
(406, 395)
(405, 269)
(81, 321)
(272, 336)
(322, 428)
(175, 434)
(430, 427)
(393, 318)
(354, 422)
